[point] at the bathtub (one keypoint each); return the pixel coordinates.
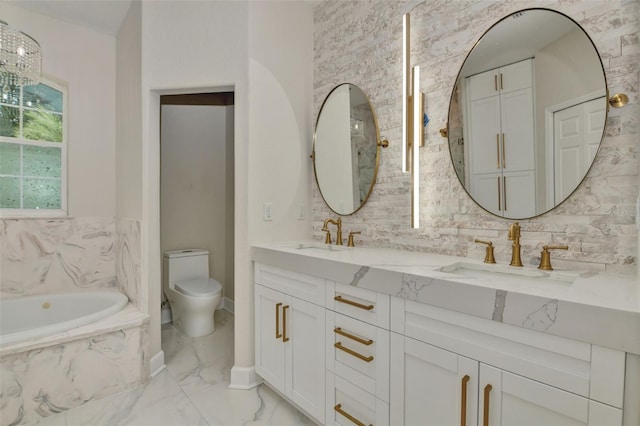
(31, 317)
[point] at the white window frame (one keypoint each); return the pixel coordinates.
(63, 210)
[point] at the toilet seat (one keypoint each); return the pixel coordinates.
(199, 287)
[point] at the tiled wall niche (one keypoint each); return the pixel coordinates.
(361, 43)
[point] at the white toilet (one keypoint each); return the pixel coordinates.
(193, 296)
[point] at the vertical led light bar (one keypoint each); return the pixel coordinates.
(406, 94)
(417, 101)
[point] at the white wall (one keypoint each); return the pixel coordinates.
(193, 183)
(264, 51)
(204, 51)
(85, 61)
(129, 115)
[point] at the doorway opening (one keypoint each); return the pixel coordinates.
(197, 184)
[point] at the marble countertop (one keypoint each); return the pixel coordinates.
(597, 308)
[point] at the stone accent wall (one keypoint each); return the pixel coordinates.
(360, 42)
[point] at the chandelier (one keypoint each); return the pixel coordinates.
(20, 58)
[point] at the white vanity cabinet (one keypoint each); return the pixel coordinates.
(452, 368)
(289, 337)
(499, 109)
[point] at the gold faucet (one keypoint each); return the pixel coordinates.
(338, 224)
(514, 235)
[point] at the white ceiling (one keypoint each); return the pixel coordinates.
(104, 16)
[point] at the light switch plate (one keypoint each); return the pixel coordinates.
(267, 211)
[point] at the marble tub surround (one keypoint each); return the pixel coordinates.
(192, 390)
(128, 258)
(56, 255)
(45, 381)
(600, 308)
(598, 221)
(70, 254)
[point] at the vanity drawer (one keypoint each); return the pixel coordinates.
(365, 305)
(359, 353)
(302, 286)
(348, 405)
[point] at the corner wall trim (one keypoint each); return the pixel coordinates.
(244, 378)
(156, 363)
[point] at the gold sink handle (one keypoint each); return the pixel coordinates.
(545, 256)
(350, 243)
(489, 257)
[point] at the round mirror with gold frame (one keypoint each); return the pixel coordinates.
(527, 113)
(346, 152)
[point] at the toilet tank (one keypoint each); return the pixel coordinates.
(182, 265)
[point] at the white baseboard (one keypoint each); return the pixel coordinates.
(165, 316)
(244, 378)
(156, 363)
(228, 305)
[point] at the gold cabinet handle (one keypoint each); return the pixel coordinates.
(495, 82)
(352, 303)
(504, 158)
(338, 345)
(341, 332)
(504, 186)
(284, 323)
(339, 409)
(499, 199)
(487, 390)
(498, 150)
(463, 401)
(501, 85)
(278, 335)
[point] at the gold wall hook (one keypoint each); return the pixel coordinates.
(618, 100)
(383, 143)
(444, 132)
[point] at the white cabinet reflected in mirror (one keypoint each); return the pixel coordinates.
(346, 151)
(527, 113)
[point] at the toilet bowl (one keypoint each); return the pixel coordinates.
(193, 296)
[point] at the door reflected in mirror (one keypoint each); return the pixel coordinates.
(345, 149)
(527, 113)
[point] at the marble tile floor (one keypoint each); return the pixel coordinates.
(192, 390)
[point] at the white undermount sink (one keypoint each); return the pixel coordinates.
(495, 271)
(318, 246)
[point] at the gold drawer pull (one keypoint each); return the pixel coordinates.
(352, 303)
(284, 323)
(487, 390)
(341, 332)
(278, 334)
(463, 403)
(339, 409)
(338, 345)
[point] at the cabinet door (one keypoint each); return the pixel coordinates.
(484, 135)
(487, 191)
(303, 331)
(270, 349)
(508, 399)
(517, 137)
(431, 386)
(518, 194)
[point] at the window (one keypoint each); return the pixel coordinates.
(33, 150)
